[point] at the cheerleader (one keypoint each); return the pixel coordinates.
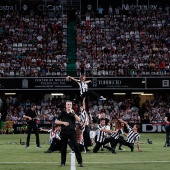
(54, 140)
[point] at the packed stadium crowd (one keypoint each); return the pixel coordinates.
(32, 45)
(129, 109)
(135, 43)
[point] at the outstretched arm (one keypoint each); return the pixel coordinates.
(108, 131)
(88, 81)
(44, 130)
(72, 78)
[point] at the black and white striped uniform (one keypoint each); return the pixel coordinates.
(100, 138)
(83, 116)
(117, 134)
(132, 137)
(83, 86)
(116, 138)
(100, 134)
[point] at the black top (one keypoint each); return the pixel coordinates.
(67, 117)
(168, 116)
(33, 115)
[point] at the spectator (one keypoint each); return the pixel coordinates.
(110, 11)
(100, 11)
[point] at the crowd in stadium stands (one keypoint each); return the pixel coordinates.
(124, 43)
(32, 45)
(129, 109)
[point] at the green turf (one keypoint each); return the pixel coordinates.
(14, 156)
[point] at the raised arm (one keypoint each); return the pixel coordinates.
(121, 121)
(75, 116)
(84, 103)
(88, 81)
(72, 78)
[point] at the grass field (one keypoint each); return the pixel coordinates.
(14, 156)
